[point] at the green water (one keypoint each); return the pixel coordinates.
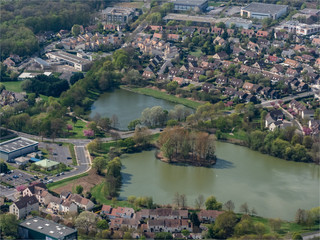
(126, 105)
(274, 187)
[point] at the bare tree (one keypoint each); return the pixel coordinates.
(176, 200)
(114, 121)
(229, 206)
(183, 201)
(199, 201)
(244, 208)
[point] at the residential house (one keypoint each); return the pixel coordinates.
(207, 87)
(169, 225)
(119, 212)
(273, 116)
(253, 46)
(162, 213)
(220, 41)
(261, 33)
(291, 72)
(317, 63)
(296, 106)
(307, 114)
(247, 32)
(24, 206)
(222, 80)
(277, 69)
(237, 83)
(316, 41)
(247, 86)
(291, 63)
(221, 55)
(230, 91)
(82, 202)
(314, 125)
(217, 30)
(288, 53)
(117, 223)
(272, 59)
(259, 64)
(251, 55)
(208, 216)
(148, 74)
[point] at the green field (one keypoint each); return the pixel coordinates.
(14, 86)
(77, 131)
(98, 192)
(165, 96)
(64, 182)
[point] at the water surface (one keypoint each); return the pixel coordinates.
(274, 187)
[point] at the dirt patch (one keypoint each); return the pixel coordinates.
(86, 182)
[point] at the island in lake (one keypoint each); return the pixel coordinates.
(180, 145)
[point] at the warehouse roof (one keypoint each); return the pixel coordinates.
(16, 144)
(47, 227)
(46, 163)
(189, 2)
(264, 8)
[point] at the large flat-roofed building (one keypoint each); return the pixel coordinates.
(186, 5)
(40, 228)
(118, 14)
(47, 164)
(17, 147)
(239, 22)
(78, 63)
(299, 28)
(263, 10)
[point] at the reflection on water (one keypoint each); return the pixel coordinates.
(274, 187)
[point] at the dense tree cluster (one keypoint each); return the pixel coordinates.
(181, 144)
(46, 85)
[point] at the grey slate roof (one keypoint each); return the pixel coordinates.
(264, 8)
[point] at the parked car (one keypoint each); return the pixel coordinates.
(62, 173)
(45, 178)
(2, 174)
(15, 176)
(35, 176)
(50, 181)
(58, 175)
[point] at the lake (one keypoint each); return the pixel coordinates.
(126, 105)
(274, 187)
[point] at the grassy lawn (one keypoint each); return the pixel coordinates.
(197, 53)
(73, 154)
(165, 96)
(286, 227)
(77, 131)
(64, 182)
(98, 192)
(14, 86)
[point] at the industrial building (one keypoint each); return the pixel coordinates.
(263, 10)
(78, 63)
(118, 15)
(239, 22)
(17, 147)
(187, 5)
(40, 228)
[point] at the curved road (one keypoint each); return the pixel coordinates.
(82, 154)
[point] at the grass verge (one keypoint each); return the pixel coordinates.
(64, 182)
(165, 96)
(14, 86)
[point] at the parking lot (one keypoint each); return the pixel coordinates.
(17, 178)
(57, 153)
(8, 192)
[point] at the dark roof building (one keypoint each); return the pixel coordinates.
(17, 147)
(40, 228)
(186, 5)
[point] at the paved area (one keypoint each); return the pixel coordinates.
(18, 177)
(57, 153)
(232, 10)
(8, 192)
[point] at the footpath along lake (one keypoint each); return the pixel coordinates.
(274, 187)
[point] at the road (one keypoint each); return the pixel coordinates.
(81, 152)
(305, 94)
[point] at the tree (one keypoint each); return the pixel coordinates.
(88, 133)
(132, 125)
(229, 206)
(177, 199)
(75, 30)
(104, 124)
(275, 224)
(185, 233)
(212, 204)
(300, 216)
(3, 167)
(260, 228)
(86, 221)
(9, 225)
(99, 163)
(79, 189)
(195, 219)
(172, 87)
(225, 224)
(307, 142)
(245, 226)
(141, 136)
(199, 201)
(114, 121)
(244, 208)
(102, 224)
(183, 201)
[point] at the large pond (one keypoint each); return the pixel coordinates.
(126, 105)
(274, 187)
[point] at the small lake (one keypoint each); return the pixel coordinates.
(126, 105)
(274, 187)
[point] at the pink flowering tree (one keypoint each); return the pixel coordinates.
(307, 131)
(88, 133)
(273, 103)
(280, 102)
(20, 188)
(69, 127)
